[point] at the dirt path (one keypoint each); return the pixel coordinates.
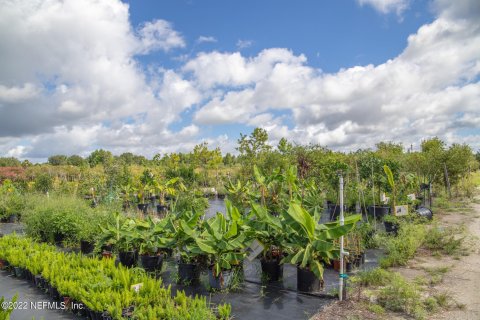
(463, 281)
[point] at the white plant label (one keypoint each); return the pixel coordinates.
(136, 287)
(401, 210)
(254, 250)
(411, 197)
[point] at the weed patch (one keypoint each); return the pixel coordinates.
(403, 247)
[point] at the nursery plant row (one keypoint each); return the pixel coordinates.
(97, 288)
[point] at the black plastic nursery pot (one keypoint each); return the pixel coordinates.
(188, 273)
(79, 308)
(143, 207)
(161, 209)
(128, 258)
(151, 263)
(58, 237)
(380, 211)
(107, 247)
(19, 272)
(424, 212)
(38, 281)
(307, 281)
(334, 211)
(272, 269)
(54, 294)
(95, 315)
(86, 247)
(220, 281)
(391, 227)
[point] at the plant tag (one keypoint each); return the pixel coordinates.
(254, 250)
(136, 287)
(401, 210)
(411, 197)
(383, 197)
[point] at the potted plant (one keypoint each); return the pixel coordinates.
(309, 244)
(164, 189)
(191, 258)
(122, 236)
(223, 240)
(268, 230)
(391, 224)
(148, 240)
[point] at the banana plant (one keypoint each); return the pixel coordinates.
(391, 182)
(121, 234)
(268, 230)
(188, 228)
(240, 193)
(309, 243)
(224, 239)
(148, 236)
(168, 187)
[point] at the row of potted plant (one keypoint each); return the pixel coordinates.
(98, 287)
(220, 243)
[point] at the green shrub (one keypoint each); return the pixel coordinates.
(66, 216)
(375, 277)
(376, 308)
(447, 240)
(402, 296)
(402, 248)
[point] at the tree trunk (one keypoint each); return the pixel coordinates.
(447, 181)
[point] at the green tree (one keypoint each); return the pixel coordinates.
(284, 146)
(458, 159)
(253, 149)
(75, 160)
(43, 182)
(100, 156)
(9, 162)
(229, 159)
(57, 160)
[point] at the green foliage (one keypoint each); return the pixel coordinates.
(66, 216)
(5, 312)
(375, 277)
(58, 160)
(99, 157)
(11, 201)
(224, 311)
(43, 182)
(401, 295)
(309, 243)
(9, 162)
(223, 239)
(447, 240)
(401, 248)
(101, 285)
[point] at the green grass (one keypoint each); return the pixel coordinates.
(436, 274)
(446, 240)
(403, 247)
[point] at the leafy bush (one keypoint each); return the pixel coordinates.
(374, 277)
(66, 217)
(446, 240)
(402, 296)
(402, 248)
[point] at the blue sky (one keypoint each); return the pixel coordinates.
(331, 34)
(162, 76)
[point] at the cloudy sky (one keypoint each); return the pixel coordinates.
(161, 76)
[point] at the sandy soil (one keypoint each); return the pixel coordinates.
(461, 282)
